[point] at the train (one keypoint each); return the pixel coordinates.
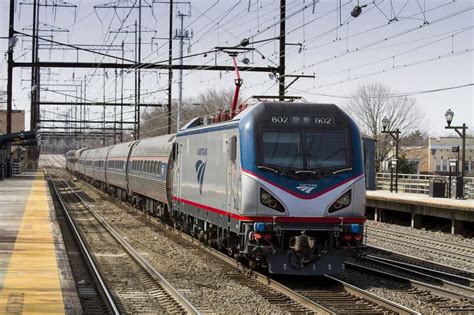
(280, 185)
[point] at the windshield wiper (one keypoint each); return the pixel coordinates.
(342, 170)
(268, 168)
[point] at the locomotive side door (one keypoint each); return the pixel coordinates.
(233, 175)
(177, 170)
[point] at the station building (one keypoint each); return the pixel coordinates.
(18, 121)
(434, 158)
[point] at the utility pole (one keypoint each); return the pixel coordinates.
(11, 44)
(115, 107)
(170, 63)
(103, 108)
(121, 96)
(34, 52)
(139, 55)
(281, 68)
(182, 35)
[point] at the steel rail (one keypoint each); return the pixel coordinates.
(440, 291)
(188, 307)
(454, 275)
(300, 298)
(422, 242)
(358, 292)
(85, 251)
(462, 273)
(311, 305)
(449, 244)
(414, 270)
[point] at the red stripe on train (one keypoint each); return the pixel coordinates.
(336, 220)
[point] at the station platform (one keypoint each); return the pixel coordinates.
(458, 211)
(35, 275)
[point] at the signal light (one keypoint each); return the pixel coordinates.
(347, 237)
(357, 237)
(255, 236)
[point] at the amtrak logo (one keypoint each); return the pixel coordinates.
(307, 188)
(200, 169)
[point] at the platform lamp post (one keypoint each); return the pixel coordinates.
(461, 131)
(456, 150)
(393, 166)
(395, 134)
(453, 163)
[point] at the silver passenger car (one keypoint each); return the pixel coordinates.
(117, 164)
(148, 167)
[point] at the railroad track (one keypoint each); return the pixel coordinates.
(431, 276)
(52, 161)
(334, 297)
(94, 295)
(445, 296)
(420, 262)
(456, 251)
(462, 277)
(133, 281)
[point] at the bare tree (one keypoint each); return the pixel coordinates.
(155, 122)
(371, 103)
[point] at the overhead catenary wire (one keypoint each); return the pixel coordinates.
(290, 51)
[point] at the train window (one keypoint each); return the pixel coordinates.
(325, 149)
(158, 166)
(233, 148)
(174, 150)
(281, 148)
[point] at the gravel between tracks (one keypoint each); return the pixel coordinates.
(455, 239)
(199, 277)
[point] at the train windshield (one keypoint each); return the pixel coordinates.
(304, 150)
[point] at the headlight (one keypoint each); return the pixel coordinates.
(341, 203)
(268, 200)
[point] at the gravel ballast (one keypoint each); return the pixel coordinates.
(200, 277)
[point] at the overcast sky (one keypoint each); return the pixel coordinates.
(412, 46)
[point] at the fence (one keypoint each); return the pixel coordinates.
(420, 184)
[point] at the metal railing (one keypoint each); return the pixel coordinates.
(420, 184)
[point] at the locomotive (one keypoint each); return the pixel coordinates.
(280, 185)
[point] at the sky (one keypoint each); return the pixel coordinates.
(412, 46)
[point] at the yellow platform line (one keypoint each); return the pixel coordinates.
(32, 284)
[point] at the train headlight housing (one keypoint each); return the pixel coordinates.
(343, 202)
(269, 201)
